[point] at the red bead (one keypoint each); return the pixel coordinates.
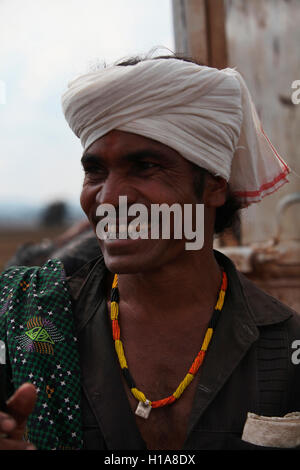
(115, 329)
(224, 282)
(163, 402)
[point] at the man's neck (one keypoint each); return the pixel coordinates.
(193, 280)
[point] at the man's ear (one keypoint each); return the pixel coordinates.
(215, 191)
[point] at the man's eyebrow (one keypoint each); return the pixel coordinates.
(96, 159)
(147, 153)
(90, 158)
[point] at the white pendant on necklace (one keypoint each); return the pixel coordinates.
(143, 409)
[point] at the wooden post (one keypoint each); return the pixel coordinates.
(216, 27)
(190, 29)
(200, 33)
(199, 28)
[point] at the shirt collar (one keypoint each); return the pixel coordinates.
(260, 307)
(252, 303)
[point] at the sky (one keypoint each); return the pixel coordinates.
(43, 45)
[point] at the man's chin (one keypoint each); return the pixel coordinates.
(131, 263)
(119, 265)
(138, 256)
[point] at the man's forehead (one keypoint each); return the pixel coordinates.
(125, 144)
(116, 138)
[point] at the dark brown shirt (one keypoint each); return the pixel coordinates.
(248, 367)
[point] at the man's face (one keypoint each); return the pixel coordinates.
(146, 172)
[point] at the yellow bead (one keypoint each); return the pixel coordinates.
(182, 386)
(114, 310)
(207, 339)
(220, 302)
(120, 353)
(138, 395)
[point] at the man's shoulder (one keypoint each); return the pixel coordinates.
(278, 341)
(16, 276)
(93, 269)
(21, 285)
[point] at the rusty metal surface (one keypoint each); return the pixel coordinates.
(274, 265)
(267, 260)
(274, 268)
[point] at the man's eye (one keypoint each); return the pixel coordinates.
(89, 168)
(147, 165)
(94, 174)
(92, 170)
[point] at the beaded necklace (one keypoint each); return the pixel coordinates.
(145, 405)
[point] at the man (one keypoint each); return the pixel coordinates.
(174, 351)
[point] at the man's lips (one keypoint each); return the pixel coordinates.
(116, 221)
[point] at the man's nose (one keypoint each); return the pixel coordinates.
(114, 187)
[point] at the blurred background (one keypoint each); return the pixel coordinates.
(44, 44)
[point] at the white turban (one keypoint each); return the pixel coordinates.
(205, 114)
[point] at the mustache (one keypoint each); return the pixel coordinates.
(118, 217)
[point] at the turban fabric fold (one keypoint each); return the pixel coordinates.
(205, 114)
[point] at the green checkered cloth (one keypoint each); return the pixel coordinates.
(36, 324)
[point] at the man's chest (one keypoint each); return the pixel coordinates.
(166, 427)
(159, 372)
(159, 361)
